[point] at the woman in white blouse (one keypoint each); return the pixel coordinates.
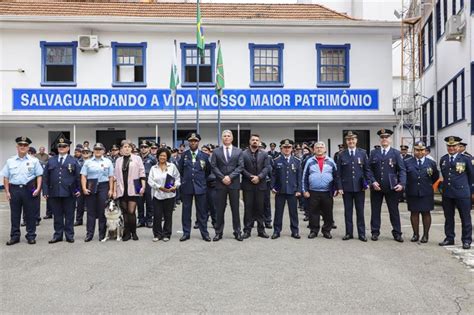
(163, 197)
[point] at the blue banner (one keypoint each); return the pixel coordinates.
(150, 99)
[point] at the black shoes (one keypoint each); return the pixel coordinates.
(134, 236)
(77, 223)
(246, 235)
(22, 223)
(424, 239)
(415, 238)
(141, 224)
(217, 238)
(206, 238)
(296, 236)
(149, 225)
(275, 236)
(238, 236)
(446, 242)
(263, 235)
(126, 237)
(268, 226)
(12, 242)
(70, 240)
(347, 237)
(312, 235)
(374, 237)
(55, 240)
(184, 238)
(327, 235)
(306, 218)
(334, 226)
(46, 217)
(31, 242)
(398, 238)
(363, 238)
(88, 239)
(466, 246)
(196, 226)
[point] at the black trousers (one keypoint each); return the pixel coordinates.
(280, 200)
(22, 200)
(267, 207)
(464, 208)
(392, 199)
(320, 203)
(80, 201)
(253, 210)
(145, 202)
(350, 199)
(201, 213)
(221, 197)
(211, 204)
(63, 215)
(96, 210)
(163, 209)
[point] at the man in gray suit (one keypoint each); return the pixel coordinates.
(227, 164)
(256, 168)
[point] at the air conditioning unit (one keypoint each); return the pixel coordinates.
(88, 42)
(455, 28)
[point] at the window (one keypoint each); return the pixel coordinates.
(426, 41)
(451, 102)
(333, 65)
(428, 122)
(305, 135)
(458, 5)
(266, 65)
(129, 64)
(189, 60)
(442, 15)
(58, 63)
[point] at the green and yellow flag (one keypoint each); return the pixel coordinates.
(199, 32)
(174, 76)
(220, 82)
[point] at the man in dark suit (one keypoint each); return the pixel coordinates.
(227, 164)
(61, 187)
(354, 178)
(458, 175)
(390, 178)
(194, 168)
(254, 174)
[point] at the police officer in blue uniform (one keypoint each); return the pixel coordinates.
(458, 175)
(194, 168)
(61, 187)
(22, 177)
(286, 185)
(404, 152)
(389, 174)
(145, 202)
(80, 201)
(354, 178)
(97, 182)
(422, 173)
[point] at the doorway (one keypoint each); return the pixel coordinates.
(110, 137)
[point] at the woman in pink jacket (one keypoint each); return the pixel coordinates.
(130, 185)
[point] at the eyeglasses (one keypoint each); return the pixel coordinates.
(22, 144)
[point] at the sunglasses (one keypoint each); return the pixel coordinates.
(22, 144)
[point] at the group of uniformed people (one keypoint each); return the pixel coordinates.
(213, 178)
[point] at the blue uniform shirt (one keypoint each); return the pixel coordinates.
(19, 171)
(194, 173)
(148, 162)
(457, 176)
(420, 179)
(354, 174)
(384, 166)
(286, 175)
(101, 169)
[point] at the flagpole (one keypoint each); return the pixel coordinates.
(197, 91)
(218, 109)
(175, 100)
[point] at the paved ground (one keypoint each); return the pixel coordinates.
(255, 276)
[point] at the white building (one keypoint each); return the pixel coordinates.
(447, 67)
(292, 70)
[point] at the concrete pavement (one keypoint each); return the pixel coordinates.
(254, 276)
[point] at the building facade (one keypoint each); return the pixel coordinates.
(291, 70)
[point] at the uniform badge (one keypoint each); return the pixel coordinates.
(390, 162)
(460, 167)
(203, 164)
(429, 170)
(359, 161)
(293, 168)
(444, 163)
(69, 167)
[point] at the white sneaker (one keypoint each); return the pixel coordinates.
(156, 239)
(166, 239)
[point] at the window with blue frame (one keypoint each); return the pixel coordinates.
(129, 64)
(58, 62)
(333, 65)
(458, 5)
(451, 101)
(266, 65)
(439, 25)
(426, 41)
(189, 59)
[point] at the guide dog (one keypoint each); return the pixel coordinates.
(114, 217)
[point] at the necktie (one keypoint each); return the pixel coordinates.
(61, 161)
(452, 160)
(352, 153)
(419, 163)
(227, 154)
(193, 154)
(383, 152)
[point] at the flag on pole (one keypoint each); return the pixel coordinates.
(174, 76)
(220, 82)
(199, 32)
